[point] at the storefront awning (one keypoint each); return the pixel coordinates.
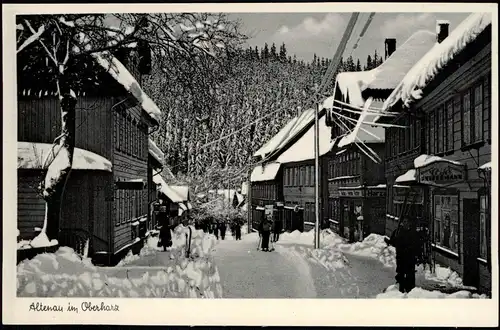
(132, 184)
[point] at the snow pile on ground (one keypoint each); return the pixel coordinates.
(373, 246)
(442, 274)
(328, 258)
(65, 274)
(41, 240)
(201, 245)
(419, 293)
(297, 237)
(330, 239)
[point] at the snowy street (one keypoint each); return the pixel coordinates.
(295, 270)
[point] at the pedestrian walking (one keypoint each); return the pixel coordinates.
(405, 240)
(165, 239)
(222, 228)
(238, 229)
(215, 226)
(277, 228)
(265, 229)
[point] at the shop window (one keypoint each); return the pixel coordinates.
(440, 129)
(483, 232)
(446, 233)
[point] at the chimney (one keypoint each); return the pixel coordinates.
(442, 29)
(390, 47)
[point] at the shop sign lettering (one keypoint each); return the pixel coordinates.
(439, 173)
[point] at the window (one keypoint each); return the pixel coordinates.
(449, 126)
(446, 233)
(117, 207)
(432, 124)
(440, 130)
(483, 232)
(307, 176)
(466, 122)
(477, 117)
(418, 133)
(487, 108)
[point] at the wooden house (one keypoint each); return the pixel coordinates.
(266, 180)
(356, 180)
(298, 166)
(441, 169)
(102, 205)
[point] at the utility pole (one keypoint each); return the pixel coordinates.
(316, 175)
(329, 74)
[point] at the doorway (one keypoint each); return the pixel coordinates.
(471, 241)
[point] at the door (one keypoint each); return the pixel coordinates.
(471, 241)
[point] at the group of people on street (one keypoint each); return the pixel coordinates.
(267, 226)
(219, 227)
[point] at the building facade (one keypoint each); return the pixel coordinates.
(104, 207)
(435, 170)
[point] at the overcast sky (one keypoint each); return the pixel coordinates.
(307, 33)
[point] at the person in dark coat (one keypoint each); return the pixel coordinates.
(238, 229)
(222, 228)
(165, 234)
(265, 231)
(277, 227)
(404, 239)
(209, 223)
(215, 227)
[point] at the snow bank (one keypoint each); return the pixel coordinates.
(65, 274)
(373, 246)
(419, 293)
(442, 274)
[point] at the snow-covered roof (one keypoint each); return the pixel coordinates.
(485, 167)
(182, 191)
(417, 78)
(303, 148)
(156, 152)
(387, 75)
(167, 190)
(32, 155)
(291, 129)
(409, 176)
(424, 160)
(265, 173)
(120, 73)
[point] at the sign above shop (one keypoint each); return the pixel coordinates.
(441, 173)
(351, 193)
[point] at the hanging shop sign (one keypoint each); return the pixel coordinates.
(442, 173)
